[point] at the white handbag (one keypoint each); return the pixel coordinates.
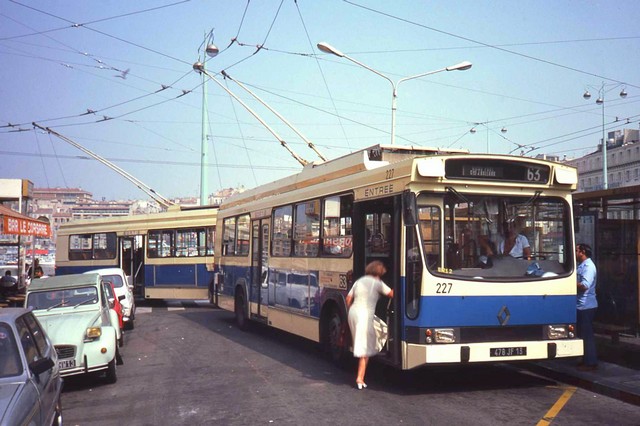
(382, 332)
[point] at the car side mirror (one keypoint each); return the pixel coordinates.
(41, 365)
(122, 297)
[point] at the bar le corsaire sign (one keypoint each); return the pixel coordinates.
(18, 225)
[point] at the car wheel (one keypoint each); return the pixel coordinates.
(111, 375)
(241, 311)
(57, 420)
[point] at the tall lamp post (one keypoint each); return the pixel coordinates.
(327, 48)
(600, 101)
(211, 50)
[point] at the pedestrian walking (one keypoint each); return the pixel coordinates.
(361, 303)
(587, 305)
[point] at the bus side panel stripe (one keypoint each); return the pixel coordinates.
(471, 311)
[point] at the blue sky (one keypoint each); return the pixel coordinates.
(532, 61)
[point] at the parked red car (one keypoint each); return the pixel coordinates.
(117, 306)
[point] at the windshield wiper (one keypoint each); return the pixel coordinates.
(84, 302)
(55, 306)
(533, 199)
(458, 195)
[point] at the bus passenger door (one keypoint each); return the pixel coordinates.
(132, 261)
(259, 266)
(376, 233)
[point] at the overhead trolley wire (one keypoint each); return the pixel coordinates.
(533, 58)
(326, 85)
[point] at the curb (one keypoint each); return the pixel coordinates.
(592, 382)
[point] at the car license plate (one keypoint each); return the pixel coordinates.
(66, 363)
(512, 351)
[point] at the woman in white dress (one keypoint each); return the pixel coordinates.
(361, 303)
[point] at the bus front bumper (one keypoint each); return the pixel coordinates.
(417, 355)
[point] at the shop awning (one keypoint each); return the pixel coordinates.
(14, 223)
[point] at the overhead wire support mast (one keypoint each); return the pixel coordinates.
(199, 67)
(307, 141)
(165, 202)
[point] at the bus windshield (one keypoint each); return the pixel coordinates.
(502, 238)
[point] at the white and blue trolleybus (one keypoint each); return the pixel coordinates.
(289, 251)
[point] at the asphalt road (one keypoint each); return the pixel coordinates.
(187, 364)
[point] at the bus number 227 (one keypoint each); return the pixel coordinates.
(444, 288)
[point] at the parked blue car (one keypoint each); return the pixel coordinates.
(30, 382)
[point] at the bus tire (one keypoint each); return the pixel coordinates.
(335, 337)
(212, 295)
(240, 310)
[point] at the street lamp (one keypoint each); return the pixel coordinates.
(327, 48)
(473, 130)
(600, 101)
(211, 50)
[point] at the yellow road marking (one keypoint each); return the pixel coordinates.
(553, 411)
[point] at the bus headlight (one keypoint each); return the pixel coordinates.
(444, 335)
(558, 332)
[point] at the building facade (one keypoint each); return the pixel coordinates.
(623, 163)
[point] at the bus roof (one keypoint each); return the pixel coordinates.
(142, 221)
(366, 159)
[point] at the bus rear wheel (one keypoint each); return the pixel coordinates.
(335, 338)
(240, 310)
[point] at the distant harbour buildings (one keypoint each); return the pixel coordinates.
(623, 162)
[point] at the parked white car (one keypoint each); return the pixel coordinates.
(117, 277)
(75, 313)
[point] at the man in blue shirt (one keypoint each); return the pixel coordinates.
(587, 305)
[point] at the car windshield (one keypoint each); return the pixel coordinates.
(62, 298)
(116, 280)
(500, 238)
(10, 364)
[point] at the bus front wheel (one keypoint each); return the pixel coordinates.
(240, 309)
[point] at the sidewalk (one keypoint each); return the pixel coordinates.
(618, 373)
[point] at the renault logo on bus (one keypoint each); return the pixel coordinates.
(504, 315)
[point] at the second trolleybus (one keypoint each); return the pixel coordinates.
(168, 255)
(289, 251)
